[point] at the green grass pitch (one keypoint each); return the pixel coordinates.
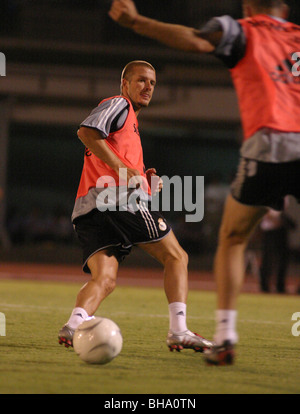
(32, 361)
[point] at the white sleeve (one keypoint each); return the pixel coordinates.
(233, 43)
(110, 113)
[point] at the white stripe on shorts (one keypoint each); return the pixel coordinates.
(150, 223)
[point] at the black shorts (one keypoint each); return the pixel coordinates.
(118, 231)
(266, 184)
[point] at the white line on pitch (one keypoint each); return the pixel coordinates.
(29, 308)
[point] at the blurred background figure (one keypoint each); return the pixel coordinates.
(216, 191)
(275, 228)
(4, 238)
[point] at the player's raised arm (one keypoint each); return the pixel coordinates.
(180, 37)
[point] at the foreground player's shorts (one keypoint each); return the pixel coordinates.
(266, 184)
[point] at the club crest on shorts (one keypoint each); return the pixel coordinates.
(162, 225)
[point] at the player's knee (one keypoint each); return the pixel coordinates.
(184, 257)
(232, 237)
(178, 255)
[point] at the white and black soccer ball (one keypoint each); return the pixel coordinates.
(97, 340)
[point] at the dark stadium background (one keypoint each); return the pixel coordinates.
(63, 57)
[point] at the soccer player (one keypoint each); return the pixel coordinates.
(112, 210)
(260, 51)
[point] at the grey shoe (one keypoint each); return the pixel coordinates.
(65, 336)
(220, 354)
(189, 340)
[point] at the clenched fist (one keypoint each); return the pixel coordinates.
(123, 12)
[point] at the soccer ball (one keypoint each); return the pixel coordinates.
(97, 340)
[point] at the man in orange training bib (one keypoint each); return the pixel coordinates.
(112, 210)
